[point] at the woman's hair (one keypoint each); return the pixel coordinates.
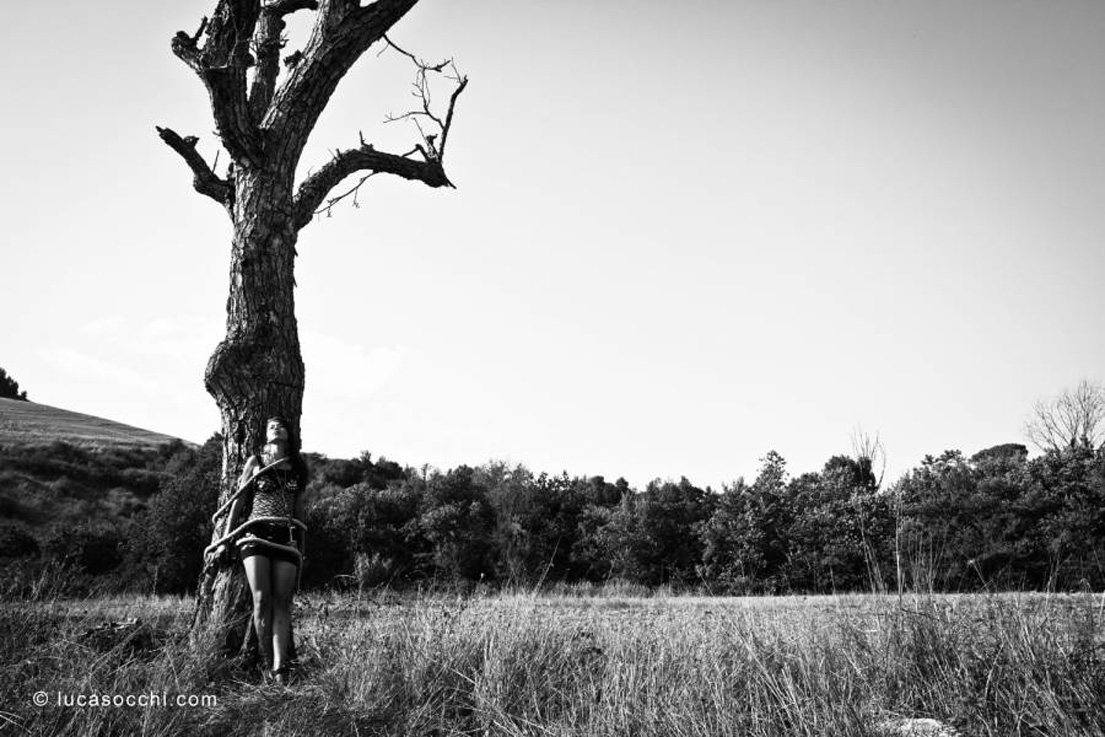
(298, 464)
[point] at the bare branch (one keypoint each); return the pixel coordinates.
(316, 187)
(343, 31)
(354, 191)
(267, 43)
(287, 7)
(1076, 417)
(315, 190)
(230, 108)
(418, 62)
(221, 64)
(229, 33)
(433, 148)
(205, 180)
(462, 82)
(186, 47)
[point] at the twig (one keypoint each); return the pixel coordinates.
(331, 201)
(434, 143)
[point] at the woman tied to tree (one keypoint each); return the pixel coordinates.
(270, 539)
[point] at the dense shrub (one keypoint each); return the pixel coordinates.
(166, 549)
(91, 549)
(16, 541)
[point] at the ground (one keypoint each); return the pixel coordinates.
(584, 661)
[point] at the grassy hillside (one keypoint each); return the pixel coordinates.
(71, 483)
(30, 423)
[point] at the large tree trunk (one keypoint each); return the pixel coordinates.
(255, 372)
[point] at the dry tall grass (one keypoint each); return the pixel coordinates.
(580, 665)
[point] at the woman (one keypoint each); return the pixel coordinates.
(270, 540)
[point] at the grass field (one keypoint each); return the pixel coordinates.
(571, 664)
(30, 423)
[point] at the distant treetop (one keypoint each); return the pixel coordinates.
(9, 387)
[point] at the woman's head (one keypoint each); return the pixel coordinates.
(279, 430)
(276, 430)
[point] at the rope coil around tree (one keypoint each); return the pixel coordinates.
(209, 551)
(248, 523)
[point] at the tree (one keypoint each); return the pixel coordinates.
(1066, 492)
(263, 117)
(745, 546)
(840, 534)
(9, 387)
(1074, 417)
(459, 523)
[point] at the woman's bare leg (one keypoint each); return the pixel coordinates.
(258, 572)
(283, 588)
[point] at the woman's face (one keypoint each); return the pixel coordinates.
(275, 430)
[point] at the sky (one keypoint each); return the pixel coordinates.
(683, 234)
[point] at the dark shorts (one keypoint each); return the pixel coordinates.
(273, 533)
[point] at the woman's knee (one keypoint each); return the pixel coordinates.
(282, 603)
(262, 602)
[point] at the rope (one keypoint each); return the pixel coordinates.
(233, 497)
(233, 533)
(211, 560)
(286, 548)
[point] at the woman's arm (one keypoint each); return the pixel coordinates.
(252, 464)
(299, 504)
(232, 516)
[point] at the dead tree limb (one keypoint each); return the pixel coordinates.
(205, 181)
(316, 187)
(268, 41)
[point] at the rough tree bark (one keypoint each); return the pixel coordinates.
(263, 119)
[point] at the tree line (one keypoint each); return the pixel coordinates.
(994, 520)
(9, 388)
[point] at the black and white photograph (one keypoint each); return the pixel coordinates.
(550, 369)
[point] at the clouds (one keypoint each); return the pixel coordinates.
(146, 372)
(180, 337)
(86, 367)
(338, 369)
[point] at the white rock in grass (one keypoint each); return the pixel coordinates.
(916, 728)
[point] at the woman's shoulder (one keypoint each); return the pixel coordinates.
(252, 464)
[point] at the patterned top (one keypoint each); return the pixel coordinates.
(274, 493)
